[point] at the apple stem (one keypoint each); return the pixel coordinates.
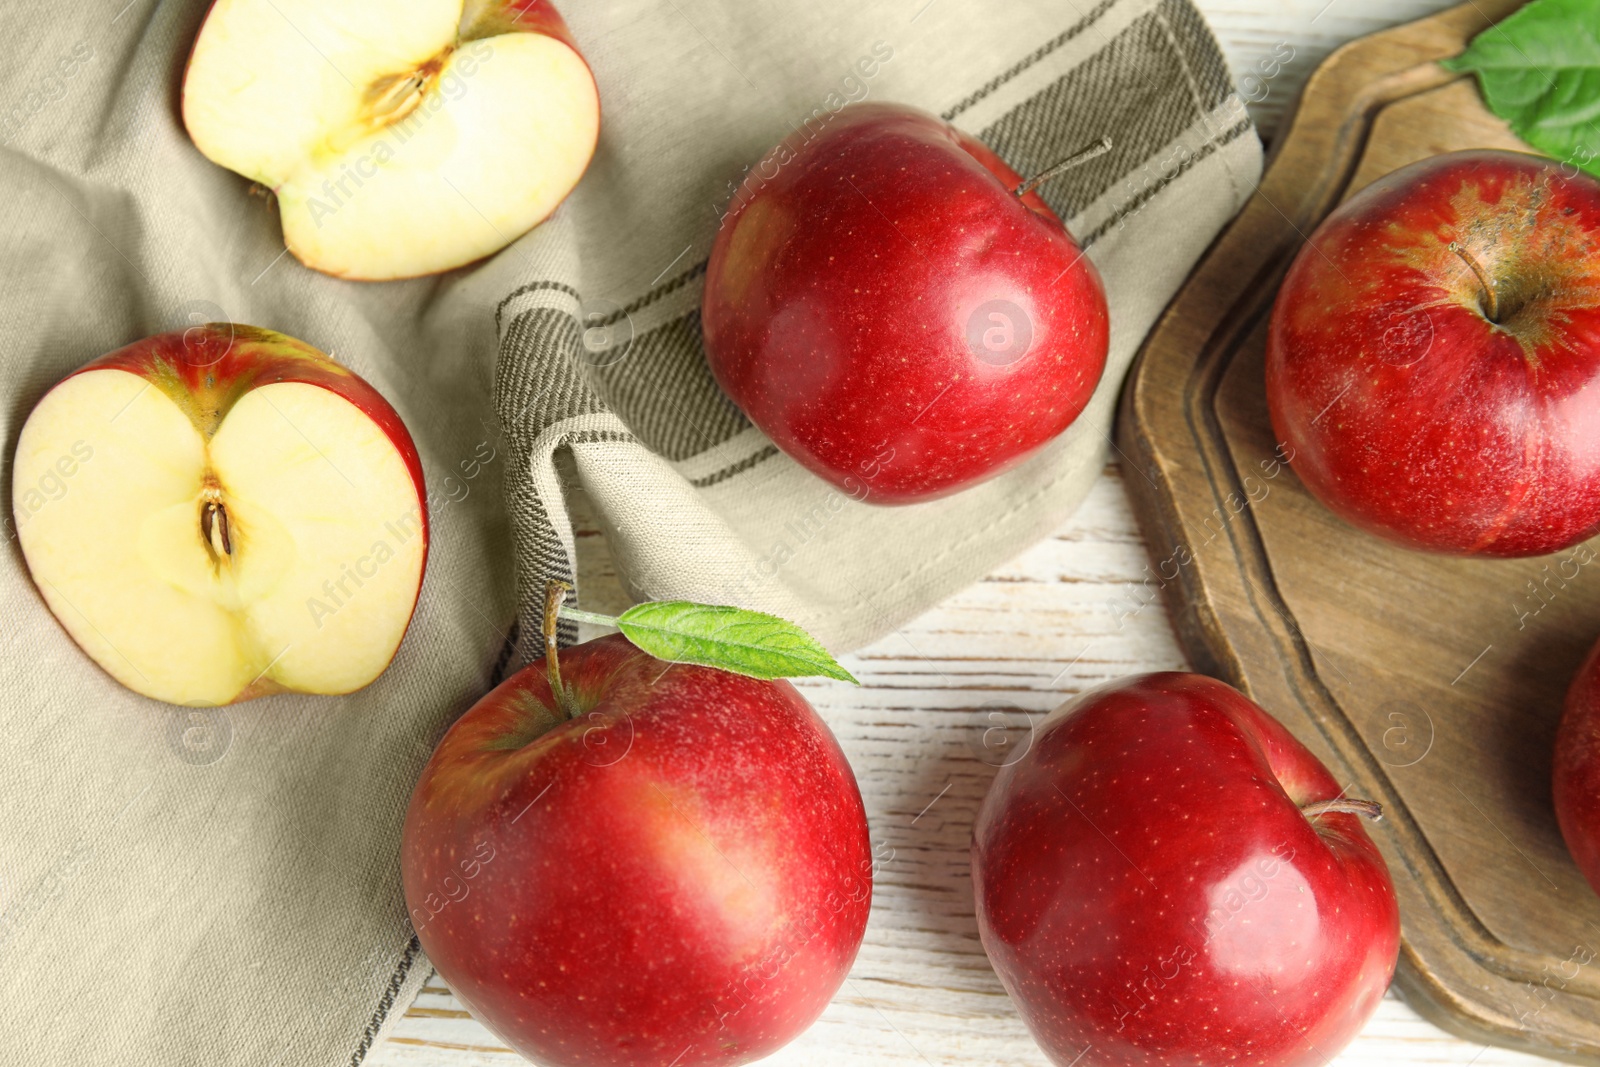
(1099, 148)
(554, 593)
(1491, 305)
(1367, 809)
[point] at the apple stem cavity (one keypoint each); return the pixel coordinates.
(1489, 302)
(1099, 148)
(1370, 810)
(554, 593)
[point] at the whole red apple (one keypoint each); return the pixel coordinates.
(893, 315)
(1433, 366)
(221, 513)
(1168, 876)
(679, 873)
(1575, 777)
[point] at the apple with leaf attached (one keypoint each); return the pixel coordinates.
(646, 849)
(399, 139)
(221, 513)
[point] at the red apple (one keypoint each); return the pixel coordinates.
(1168, 876)
(1433, 367)
(399, 139)
(222, 513)
(677, 874)
(1575, 778)
(889, 311)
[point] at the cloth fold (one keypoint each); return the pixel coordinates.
(219, 887)
(600, 362)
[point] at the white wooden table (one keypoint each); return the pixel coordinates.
(1028, 636)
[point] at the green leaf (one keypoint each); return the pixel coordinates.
(1540, 71)
(733, 639)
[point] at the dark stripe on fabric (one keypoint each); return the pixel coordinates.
(531, 287)
(539, 381)
(664, 391)
(590, 437)
(1132, 207)
(1143, 89)
(1095, 15)
(661, 290)
(1194, 40)
(737, 468)
(537, 384)
(386, 1002)
(507, 648)
(1131, 91)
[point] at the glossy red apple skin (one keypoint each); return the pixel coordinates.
(1575, 774)
(841, 292)
(1402, 406)
(1147, 885)
(680, 875)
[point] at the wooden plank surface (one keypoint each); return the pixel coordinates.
(1349, 638)
(1062, 617)
(942, 697)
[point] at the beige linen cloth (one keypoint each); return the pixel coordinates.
(189, 887)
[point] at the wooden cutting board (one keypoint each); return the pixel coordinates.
(1430, 684)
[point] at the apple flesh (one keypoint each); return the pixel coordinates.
(893, 316)
(1161, 877)
(400, 139)
(679, 874)
(1449, 398)
(1575, 778)
(223, 513)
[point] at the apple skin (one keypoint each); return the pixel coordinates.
(1146, 884)
(843, 293)
(495, 17)
(1575, 773)
(205, 369)
(489, 18)
(1401, 406)
(681, 874)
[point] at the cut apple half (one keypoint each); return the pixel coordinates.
(223, 513)
(400, 139)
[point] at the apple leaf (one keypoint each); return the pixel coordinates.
(732, 639)
(1540, 71)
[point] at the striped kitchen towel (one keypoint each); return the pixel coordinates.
(600, 351)
(190, 887)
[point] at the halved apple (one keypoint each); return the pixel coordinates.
(223, 513)
(400, 138)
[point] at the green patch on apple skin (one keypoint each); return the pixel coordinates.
(206, 370)
(536, 717)
(1540, 71)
